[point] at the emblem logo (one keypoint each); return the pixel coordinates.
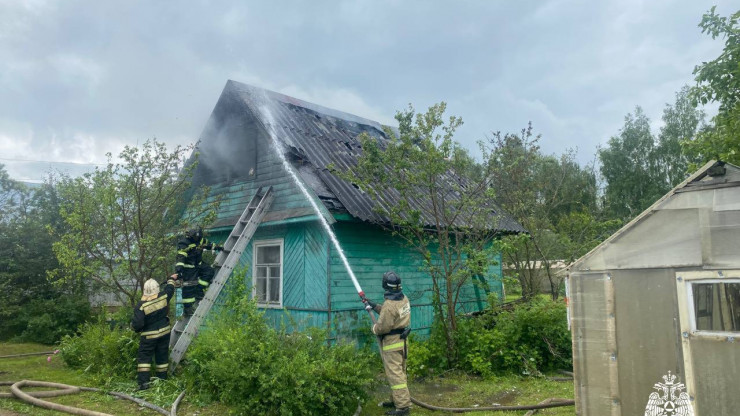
(405, 310)
(670, 400)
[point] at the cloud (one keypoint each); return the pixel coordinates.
(84, 77)
(68, 152)
(77, 72)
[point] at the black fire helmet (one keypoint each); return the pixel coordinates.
(195, 233)
(391, 281)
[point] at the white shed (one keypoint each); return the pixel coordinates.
(655, 309)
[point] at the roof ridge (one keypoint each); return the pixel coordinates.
(331, 112)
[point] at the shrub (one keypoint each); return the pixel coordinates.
(44, 319)
(238, 359)
(425, 358)
(528, 339)
(104, 351)
(428, 357)
(531, 338)
(49, 320)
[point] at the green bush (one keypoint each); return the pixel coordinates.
(528, 339)
(426, 358)
(47, 321)
(104, 351)
(238, 359)
(44, 318)
(531, 338)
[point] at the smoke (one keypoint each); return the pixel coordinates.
(228, 147)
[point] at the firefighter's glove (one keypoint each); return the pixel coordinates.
(219, 248)
(370, 303)
(174, 280)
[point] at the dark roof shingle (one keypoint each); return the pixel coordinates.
(325, 137)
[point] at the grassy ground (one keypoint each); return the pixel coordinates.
(466, 391)
(451, 391)
(38, 368)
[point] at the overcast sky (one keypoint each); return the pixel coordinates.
(82, 78)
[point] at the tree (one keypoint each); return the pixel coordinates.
(444, 216)
(638, 168)
(11, 194)
(123, 218)
(537, 190)
(631, 169)
(719, 81)
(681, 123)
(32, 308)
(580, 231)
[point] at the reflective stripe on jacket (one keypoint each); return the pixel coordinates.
(190, 255)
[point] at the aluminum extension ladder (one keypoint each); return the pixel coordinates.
(186, 329)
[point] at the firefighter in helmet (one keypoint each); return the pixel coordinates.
(152, 323)
(392, 329)
(195, 275)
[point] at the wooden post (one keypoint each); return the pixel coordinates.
(611, 342)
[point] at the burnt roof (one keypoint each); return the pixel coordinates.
(321, 137)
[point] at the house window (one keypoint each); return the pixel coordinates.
(716, 305)
(267, 273)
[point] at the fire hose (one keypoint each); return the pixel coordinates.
(28, 354)
(35, 397)
(543, 405)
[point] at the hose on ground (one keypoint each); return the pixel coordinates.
(554, 402)
(64, 389)
(131, 398)
(533, 411)
(29, 354)
(173, 410)
(18, 393)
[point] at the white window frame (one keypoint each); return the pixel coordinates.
(255, 246)
(692, 311)
(686, 280)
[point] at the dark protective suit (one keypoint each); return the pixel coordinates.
(152, 323)
(395, 316)
(190, 269)
(205, 277)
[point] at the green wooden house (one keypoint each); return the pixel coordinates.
(293, 268)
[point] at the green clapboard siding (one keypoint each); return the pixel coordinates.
(289, 202)
(311, 264)
(371, 252)
(304, 272)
